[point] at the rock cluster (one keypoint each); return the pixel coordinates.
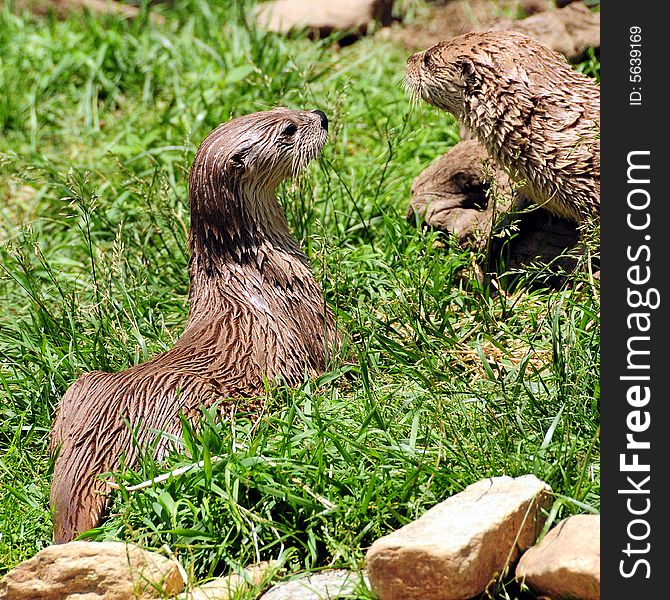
(460, 547)
(570, 30)
(456, 550)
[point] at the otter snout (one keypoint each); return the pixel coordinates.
(413, 74)
(414, 61)
(323, 117)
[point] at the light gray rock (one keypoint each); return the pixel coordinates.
(566, 563)
(92, 571)
(322, 17)
(64, 8)
(455, 549)
(231, 586)
(327, 585)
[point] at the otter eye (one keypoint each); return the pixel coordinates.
(426, 60)
(289, 130)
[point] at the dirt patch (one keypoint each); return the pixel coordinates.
(570, 31)
(449, 19)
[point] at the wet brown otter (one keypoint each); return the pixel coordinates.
(256, 314)
(536, 116)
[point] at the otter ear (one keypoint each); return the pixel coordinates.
(467, 70)
(236, 161)
(234, 166)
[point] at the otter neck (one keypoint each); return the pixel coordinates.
(238, 229)
(499, 116)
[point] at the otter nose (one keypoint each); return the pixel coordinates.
(323, 117)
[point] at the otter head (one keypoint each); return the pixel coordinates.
(259, 150)
(479, 63)
(238, 166)
(442, 74)
(234, 176)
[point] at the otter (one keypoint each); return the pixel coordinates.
(536, 116)
(256, 313)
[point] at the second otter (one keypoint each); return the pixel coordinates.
(256, 315)
(536, 116)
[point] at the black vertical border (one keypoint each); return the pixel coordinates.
(627, 128)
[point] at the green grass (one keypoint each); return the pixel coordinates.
(447, 382)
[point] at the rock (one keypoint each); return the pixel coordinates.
(570, 31)
(451, 19)
(454, 195)
(64, 8)
(566, 563)
(90, 571)
(458, 547)
(584, 27)
(327, 585)
(323, 17)
(451, 194)
(227, 588)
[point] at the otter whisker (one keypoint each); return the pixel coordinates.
(411, 90)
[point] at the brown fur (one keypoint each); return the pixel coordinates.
(536, 116)
(256, 313)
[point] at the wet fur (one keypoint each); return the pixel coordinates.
(256, 313)
(536, 116)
